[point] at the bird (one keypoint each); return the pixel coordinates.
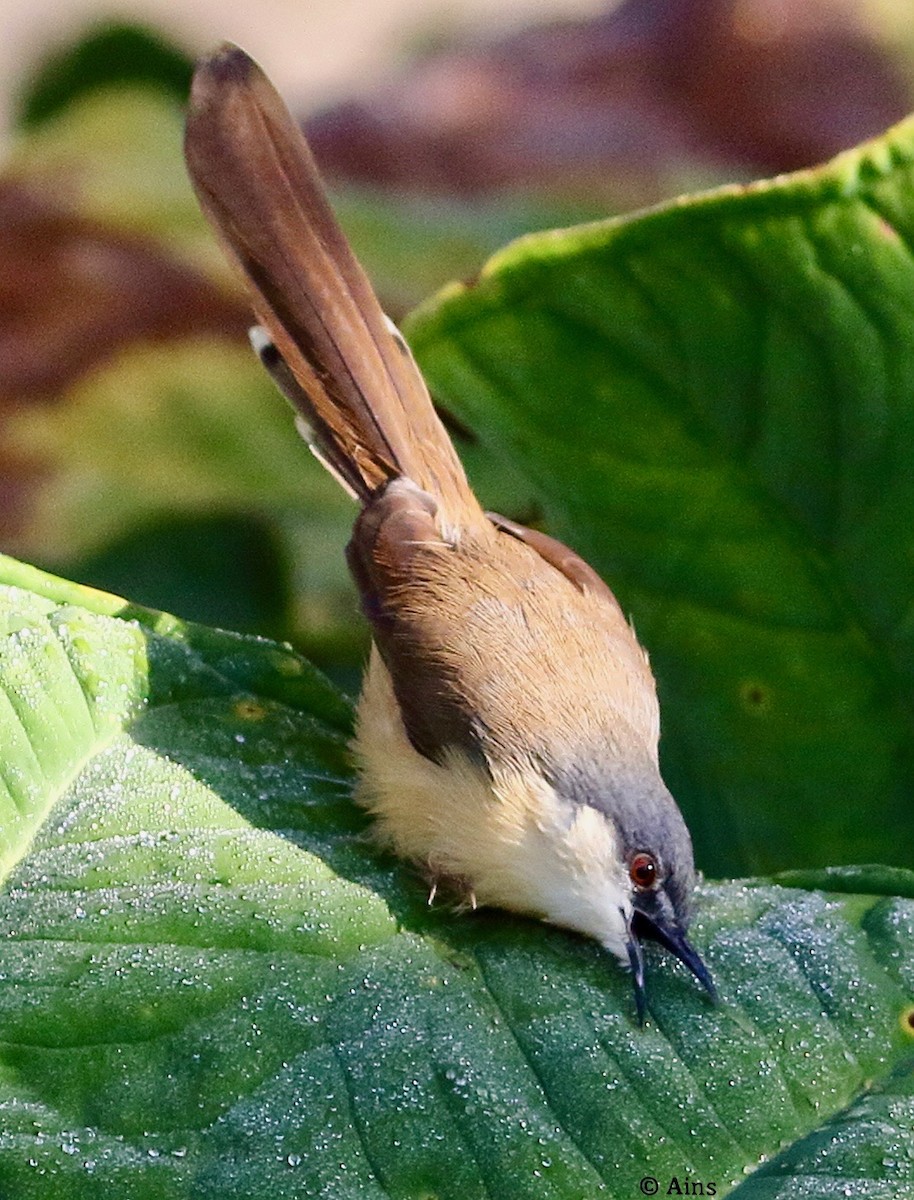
(507, 729)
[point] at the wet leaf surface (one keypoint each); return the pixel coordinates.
(211, 983)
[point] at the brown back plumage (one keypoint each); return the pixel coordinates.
(360, 392)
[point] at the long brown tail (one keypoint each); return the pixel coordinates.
(359, 391)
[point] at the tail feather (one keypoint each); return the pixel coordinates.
(356, 385)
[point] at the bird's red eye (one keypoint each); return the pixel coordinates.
(642, 871)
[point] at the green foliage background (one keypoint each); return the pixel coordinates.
(212, 984)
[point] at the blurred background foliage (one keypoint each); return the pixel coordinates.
(142, 449)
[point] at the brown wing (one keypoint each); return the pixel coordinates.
(415, 592)
(558, 555)
(465, 628)
(362, 395)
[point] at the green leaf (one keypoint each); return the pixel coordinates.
(224, 569)
(869, 879)
(868, 1150)
(113, 53)
(212, 984)
(713, 402)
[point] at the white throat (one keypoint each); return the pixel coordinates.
(505, 837)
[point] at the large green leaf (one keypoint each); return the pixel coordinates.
(212, 985)
(713, 400)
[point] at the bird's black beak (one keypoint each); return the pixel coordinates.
(636, 959)
(654, 928)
